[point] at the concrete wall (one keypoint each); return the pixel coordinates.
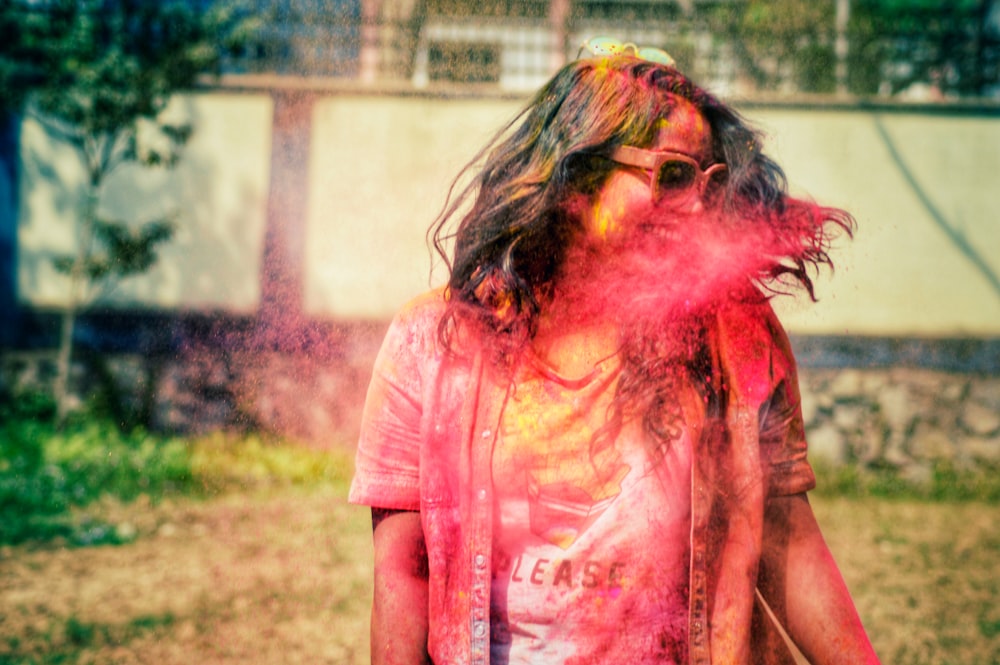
(922, 185)
(217, 197)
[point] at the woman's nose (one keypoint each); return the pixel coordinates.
(693, 206)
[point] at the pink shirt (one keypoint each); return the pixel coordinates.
(431, 425)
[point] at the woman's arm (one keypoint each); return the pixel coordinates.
(399, 610)
(803, 586)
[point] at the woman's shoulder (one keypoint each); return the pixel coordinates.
(413, 329)
(425, 309)
(753, 345)
(748, 313)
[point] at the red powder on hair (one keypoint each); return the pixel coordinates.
(663, 267)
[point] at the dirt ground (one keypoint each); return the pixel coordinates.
(237, 580)
(286, 579)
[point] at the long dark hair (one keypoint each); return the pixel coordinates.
(509, 246)
(515, 226)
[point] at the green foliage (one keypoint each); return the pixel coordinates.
(66, 640)
(119, 249)
(780, 40)
(48, 474)
(26, 59)
(97, 65)
(897, 43)
(98, 75)
(816, 68)
(223, 461)
(891, 44)
(95, 71)
(897, 7)
(944, 482)
(45, 473)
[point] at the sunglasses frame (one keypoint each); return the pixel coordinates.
(653, 161)
(603, 47)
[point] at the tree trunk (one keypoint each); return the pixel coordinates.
(64, 362)
(841, 45)
(62, 391)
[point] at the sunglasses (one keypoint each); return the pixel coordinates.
(674, 178)
(602, 47)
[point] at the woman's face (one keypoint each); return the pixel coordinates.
(626, 193)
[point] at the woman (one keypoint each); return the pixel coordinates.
(589, 447)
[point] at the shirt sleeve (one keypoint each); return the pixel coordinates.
(782, 430)
(387, 464)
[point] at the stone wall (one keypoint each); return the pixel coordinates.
(220, 378)
(314, 398)
(901, 417)
(898, 417)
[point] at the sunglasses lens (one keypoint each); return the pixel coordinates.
(676, 177)
(716, 184)
(656, 55)
(604, 46)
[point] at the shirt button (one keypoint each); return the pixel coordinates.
(480, 560)
(487, 434)
(481, 494)
(480, 629)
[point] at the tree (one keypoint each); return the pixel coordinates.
(950, 45)
(783, 44)
(98, 75)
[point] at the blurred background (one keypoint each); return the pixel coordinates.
(304, 147)
(209, 211)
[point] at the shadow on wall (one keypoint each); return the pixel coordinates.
(9, 131)
(951, 230)
(215, 196)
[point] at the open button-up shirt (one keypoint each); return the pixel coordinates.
(430, 422)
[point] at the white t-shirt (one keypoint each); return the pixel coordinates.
(591, 542)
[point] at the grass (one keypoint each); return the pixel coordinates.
(924, 575)
(65, 640)
(281, 576)
(944, 483)
(231, 549)
(49, 476)
(284, 576)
